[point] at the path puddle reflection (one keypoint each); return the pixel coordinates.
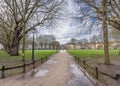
(35, 73)
(51, 62)
(41, 73)
(29, 74)
(79, 78)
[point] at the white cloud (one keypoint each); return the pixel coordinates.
(69, 28)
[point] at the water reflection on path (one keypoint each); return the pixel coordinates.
(41, 73)
(51, 61)
(79, 78)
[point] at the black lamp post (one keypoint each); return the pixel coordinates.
(33, 45)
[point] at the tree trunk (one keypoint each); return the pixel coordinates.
(7, 48)
(14, 50)
(105, 33)
(119, 47)
(14, 47)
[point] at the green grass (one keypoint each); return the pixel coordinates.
(38, 53)
(84, 54)
(5, 59)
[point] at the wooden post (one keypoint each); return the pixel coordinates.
(84, 62)
(41, 60)
(118, 79)
(75, 57)
(24, 68)
(33, 64)
(3, 72)
(96, 69)
(46, 58)
(78, 58)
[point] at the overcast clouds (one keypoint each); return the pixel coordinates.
(69, 28)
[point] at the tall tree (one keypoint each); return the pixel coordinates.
(105, 32)
(21, 16)
(100, 12)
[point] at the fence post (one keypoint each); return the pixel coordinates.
(3, 72)
(78, 58)
(24, 68)
(96, 69)
(75, 57)
(33, 64)
(84, 62)
(118, 79)
(46, 58)
(41, 60)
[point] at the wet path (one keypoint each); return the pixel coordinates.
(59, 70)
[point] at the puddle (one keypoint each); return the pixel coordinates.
(79, 79)
(51, 62)
(35, 73)
(41, 73)
(29, 74)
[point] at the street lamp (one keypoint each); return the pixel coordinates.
(33, 44)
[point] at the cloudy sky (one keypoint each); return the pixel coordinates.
(69, 28)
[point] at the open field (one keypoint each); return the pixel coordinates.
(5, 59)
(84, 54)
(95, 56)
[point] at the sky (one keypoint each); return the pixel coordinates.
(70, 28)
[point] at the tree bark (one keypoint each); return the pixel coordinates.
(105, 33)
(14, 48)
(7, 48)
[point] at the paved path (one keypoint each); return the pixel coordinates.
(59, 70)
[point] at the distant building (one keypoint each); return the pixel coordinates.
(72, 46)
(92, 45)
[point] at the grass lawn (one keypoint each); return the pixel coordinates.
(95, 56)
(84, 54)
(5, 59)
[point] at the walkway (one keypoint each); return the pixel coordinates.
(59, 70)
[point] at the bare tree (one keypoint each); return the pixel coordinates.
(93, 9)
(100, 11)
(21, 16)
(105, 32)
(45, 40)
(55, 45)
